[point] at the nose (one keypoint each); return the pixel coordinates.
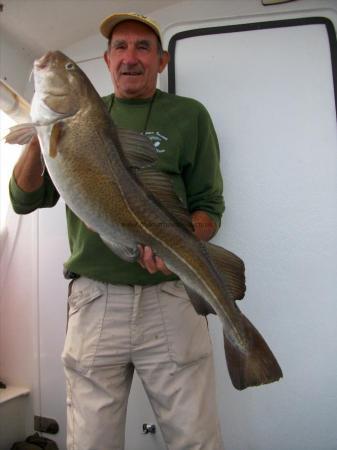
(43, 61)
(130, 56)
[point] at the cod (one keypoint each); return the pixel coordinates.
(108, 177)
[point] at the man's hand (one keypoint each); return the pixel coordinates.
(151, 262)
(204, 229)
(204, 226)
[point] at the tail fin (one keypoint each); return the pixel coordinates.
(254, 367)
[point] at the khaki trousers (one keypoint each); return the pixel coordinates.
(155, 330)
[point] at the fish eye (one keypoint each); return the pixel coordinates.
(70, 66)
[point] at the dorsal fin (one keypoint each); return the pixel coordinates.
(161, 187)
(142, 156)
(137, 148)
(230, 267)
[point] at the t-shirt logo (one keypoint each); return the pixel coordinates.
(157, 139)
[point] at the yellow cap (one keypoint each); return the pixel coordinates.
(110, 22)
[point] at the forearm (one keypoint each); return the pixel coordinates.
(28, 172)
(30, 187)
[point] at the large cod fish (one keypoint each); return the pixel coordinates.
(107, 177)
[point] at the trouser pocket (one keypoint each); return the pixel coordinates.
(187, 332)
(87, 304)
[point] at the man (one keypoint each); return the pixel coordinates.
(126, 316)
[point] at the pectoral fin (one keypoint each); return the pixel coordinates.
(55, 137)
(20, 134)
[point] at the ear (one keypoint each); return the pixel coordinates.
(107, 58)
(164, 60)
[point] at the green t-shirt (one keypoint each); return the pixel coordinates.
(182, 132)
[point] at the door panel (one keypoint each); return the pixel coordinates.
(270, 91)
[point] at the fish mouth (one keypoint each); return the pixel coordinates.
(59, 95)
(43, 62)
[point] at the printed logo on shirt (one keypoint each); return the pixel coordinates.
(157, 139)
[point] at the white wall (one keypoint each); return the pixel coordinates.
(19, 359)
(299, 411)
(15, 65)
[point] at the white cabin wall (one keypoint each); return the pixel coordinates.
(15, 65)
(19, 353)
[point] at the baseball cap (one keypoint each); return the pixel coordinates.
(110, 22)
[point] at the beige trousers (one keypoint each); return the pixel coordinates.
(113, 330)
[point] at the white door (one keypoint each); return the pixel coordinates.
(270, 91)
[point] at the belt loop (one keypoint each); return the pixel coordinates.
(137, 290)
(137, 293)
(70, 285)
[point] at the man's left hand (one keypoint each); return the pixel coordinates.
(204, 229)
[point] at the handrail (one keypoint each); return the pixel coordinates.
(13, 104)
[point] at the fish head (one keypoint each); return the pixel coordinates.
(60, 88)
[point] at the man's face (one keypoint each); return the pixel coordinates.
(133, 60)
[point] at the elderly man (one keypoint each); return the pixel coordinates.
(122, 316)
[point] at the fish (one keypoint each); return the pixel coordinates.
(118, 192)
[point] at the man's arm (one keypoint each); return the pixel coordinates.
(30, 187)
(28, 171)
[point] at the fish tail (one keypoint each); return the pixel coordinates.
(256, 365)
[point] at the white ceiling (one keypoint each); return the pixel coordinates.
(42, 25)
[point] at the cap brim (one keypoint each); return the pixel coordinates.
(110, 22)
